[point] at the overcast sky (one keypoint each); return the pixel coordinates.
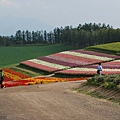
(64, 12)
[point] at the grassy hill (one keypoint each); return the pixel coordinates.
(108, 48)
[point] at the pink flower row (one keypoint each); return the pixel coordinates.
(75, 72)
(39, 66)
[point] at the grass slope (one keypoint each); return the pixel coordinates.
(108, 48)
(107, 87)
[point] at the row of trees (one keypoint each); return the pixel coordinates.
(80, 36)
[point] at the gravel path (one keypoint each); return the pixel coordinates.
(54, 101)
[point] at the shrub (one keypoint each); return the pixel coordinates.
(106, 81)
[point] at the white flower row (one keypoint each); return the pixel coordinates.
(86, 55)
(83, 69)
(116, 61)
(41, 62)
(92, 69)
(111, 70)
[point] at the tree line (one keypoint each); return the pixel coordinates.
(81, 36)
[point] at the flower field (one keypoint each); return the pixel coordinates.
(76, 62)
(13, 78)
(73, 62)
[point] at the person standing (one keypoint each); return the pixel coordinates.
(1, 78)
(99, 69)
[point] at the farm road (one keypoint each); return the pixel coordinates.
(54, 101)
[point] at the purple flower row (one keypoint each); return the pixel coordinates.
(51, 60)
(77, 62)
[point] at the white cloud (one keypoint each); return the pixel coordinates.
(8, 3)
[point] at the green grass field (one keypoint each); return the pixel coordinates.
(13, 55)
(110, 47)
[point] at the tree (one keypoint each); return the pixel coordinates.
(45, 36)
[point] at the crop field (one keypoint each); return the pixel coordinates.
(14, 55)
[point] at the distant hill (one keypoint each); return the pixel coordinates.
(9, 25)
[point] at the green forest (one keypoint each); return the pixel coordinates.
(81, 36)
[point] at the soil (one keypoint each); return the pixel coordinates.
(54, 101)
(100, 92)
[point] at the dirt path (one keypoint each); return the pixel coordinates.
(54, 101)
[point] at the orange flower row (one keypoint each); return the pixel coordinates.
(43, 80)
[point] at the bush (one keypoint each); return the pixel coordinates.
(106, 81)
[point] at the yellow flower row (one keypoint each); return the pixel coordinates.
(12, 76)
